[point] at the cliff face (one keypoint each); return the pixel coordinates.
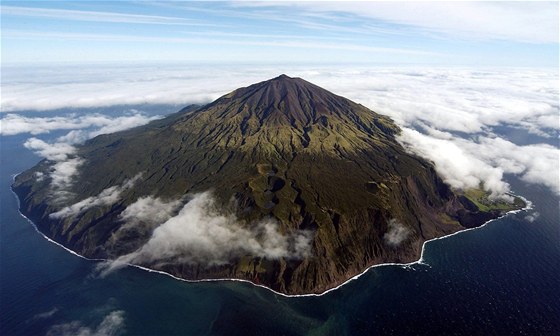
(283, 149)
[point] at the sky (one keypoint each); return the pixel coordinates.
(437, 33)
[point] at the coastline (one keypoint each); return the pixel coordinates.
(420, 261)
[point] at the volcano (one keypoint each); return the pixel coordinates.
(336, 190)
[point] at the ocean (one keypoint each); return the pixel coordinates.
(500, 279)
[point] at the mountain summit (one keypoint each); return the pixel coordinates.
(290, 114)
(281, 183)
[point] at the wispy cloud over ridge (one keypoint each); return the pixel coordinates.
(106, 197)
(200, 233)
(64, 167)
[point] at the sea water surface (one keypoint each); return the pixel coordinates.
(501, 279)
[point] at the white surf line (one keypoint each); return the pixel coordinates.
(420, 261)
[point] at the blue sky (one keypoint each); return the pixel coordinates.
(440, 33)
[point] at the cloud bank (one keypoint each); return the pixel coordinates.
(439, 108)
(483, 160)
(13, 124)
(201, 233)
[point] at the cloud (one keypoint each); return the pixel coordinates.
(106, 197)
(112, 324)
(96, 16)
(145, 214)
(63, 173)
(46, 314)
(40, 89)
(483, 160)
(202, 234)
(522, 22)
(13, 124)
(459, 168)
(66, 165)
(452, 99)
(537, 164)
(396, 233)
(55, 152)
(444, 106)
(149, 209)
(532, 217)
(64, 168)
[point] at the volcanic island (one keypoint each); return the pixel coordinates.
(306, 189)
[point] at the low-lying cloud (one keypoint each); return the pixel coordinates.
(106, 197)
(64, 167)
(483, 160)
(396, 233)
(450, 115)
(65, 164)
(58, 151)
(145, 214)
(203, 234)
(13, 124)
(111, 325)
(149, 209)
(459, 168)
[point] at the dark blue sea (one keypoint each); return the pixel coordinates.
(501, 279)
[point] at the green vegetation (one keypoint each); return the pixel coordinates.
(484, 202)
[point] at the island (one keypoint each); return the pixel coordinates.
(281, 183)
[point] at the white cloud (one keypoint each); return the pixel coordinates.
(12, 124)
(534, 22)
(65, 164)
(438, 101)
(106, 197)
(63, 173)
(58, 151)
(467, 163)
(95, 16)
(533, 163)
(112, 324)
(454, 99)
(64, 168)
(202, 234)
(47, 88)
(150, 209)
(145, 214)
(459, 168)
(396, 233)
(532, 217)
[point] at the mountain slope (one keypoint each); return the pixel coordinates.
(284, 150)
